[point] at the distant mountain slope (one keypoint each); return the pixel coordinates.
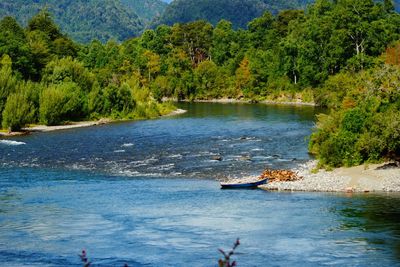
(239, 12)
(147, 10)
(83, 20)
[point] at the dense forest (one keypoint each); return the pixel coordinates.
(122, 19)
(238, 12)
(147, 10)
(340, 54)
(85, 20)
(47, 78)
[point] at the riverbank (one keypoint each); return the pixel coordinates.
(365, 178)
(246, 101)
(72, 125)
(175, 112)
(45, 128)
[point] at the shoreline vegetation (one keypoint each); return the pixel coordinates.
(73, 125)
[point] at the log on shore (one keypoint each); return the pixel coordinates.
(280, 175)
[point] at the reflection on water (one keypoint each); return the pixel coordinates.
(376, 214)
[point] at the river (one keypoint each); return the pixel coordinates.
(145, 193)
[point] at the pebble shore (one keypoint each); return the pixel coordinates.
(365, 178)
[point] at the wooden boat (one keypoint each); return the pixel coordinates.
(243, 184)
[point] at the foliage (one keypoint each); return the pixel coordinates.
(368, 130)
(68, 70)
(226, 262)
(13, 42)
(239, 12)
(18, 111)
(8, 82)
(83, 20)
(147, 10)
(61, 102)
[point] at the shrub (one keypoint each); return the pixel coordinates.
(96, 101)
(68, 70)
(18, 112)
(365, 126)
(354, 120)
(8, 82)
(339, 149)
(61, 102)
(118, 101)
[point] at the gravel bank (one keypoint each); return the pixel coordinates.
(176, 112)
(365, 178)
(247, 101)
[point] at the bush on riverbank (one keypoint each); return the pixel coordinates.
(364, 121)
(18, 112)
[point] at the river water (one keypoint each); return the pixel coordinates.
(145, 193)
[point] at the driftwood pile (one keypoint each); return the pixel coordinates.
(280, 175)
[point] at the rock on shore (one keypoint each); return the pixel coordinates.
(364, 178)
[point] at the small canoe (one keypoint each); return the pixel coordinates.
(243, 185)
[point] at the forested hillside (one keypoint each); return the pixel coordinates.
(147, 10)
(238, 12)
(83, 20)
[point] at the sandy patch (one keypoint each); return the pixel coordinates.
(364, 178)
(176, 112)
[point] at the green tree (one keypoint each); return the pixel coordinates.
(243, 76)
(40, 47)
(205, 77)
(59, 103)
(68, 70)
(43, 22)
(152, 63)
(195, 38)
(64, 47)
(261, 31)
(223, 36)
(118, 101)
(13, 43)
(8, 81)
(18, 112)
(96, 101)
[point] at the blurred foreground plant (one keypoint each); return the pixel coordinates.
(84, 259)
(226, 262)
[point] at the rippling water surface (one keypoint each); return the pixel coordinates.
(144, 193)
